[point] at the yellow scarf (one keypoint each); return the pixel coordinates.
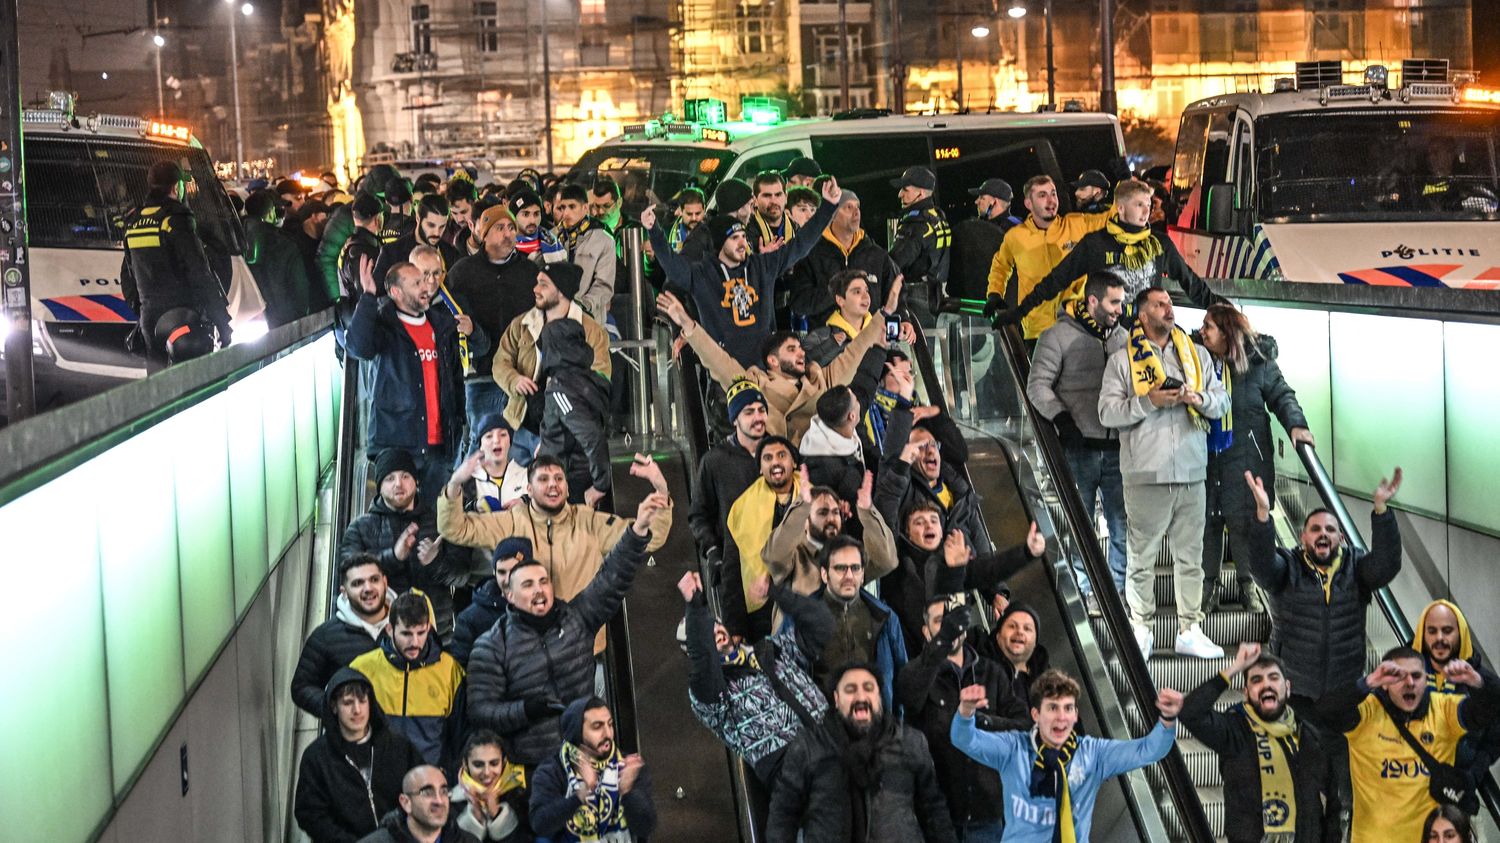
(750, 523)
(1147, 372)
(1138, 248)
(512, 777)
(1325, 579)
(1276, 742)
(859, 234)
(839, 323)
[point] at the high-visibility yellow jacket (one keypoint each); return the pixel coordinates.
(1029, 253)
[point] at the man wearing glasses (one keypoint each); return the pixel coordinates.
(424, 814)
(865, 630)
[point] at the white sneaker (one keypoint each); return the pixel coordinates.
(1145, 639)
(1192, 642)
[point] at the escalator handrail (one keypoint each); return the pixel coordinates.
(346, 460)
(1179, 782)
(1322, 483)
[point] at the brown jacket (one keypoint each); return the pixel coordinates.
(793, 401)
(790, 554)
(515, 356)
(570, 545)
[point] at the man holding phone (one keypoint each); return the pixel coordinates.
(1159, 391)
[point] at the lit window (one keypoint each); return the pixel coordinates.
(591, 9)
(754, 32)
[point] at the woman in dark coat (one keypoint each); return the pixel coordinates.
(1246, 363)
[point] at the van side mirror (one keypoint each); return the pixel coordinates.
(1221, 217)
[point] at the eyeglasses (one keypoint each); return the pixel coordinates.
(432, 274)
(843, 570)
(931, 445)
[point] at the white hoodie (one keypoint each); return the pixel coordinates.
(345, 613)
(820, 440)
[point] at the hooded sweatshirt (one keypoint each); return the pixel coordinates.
(332, 645)
(344, 789)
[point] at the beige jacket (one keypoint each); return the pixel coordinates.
(789, 553)
(515, 356)
(793, 401)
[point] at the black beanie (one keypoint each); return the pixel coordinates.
(393, 459)
(721, 228)
(566, 277)
(732, 195)
(1017, 608)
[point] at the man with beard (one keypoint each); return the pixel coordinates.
(590, 247)
(432, 221)
(360, 616)
(791, 385)
(1051, 774)
(1067, 370)
(689, 204)
(400, 530)
(589, 790)
(420, 685)
(543, 652)
(729, 467)
(769, 228)
(461, 196)
(533, 239)
(816, 519)
(496, 285)
(1277, 781)
(756, 700)
(865, 630)
(1128, 247)
(746, 581)
(734, 288)
(488, 605)
(928, 688)
(1403, 739)
(843, 246)
(862, 775)
(568, 540)
(1030, 251)
(1015, 648)
(350, 775)
(1318, 591)
(1091, 192)
(1443, 635)
(416, 396)
(423, 815)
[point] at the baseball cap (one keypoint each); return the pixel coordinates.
(802, 166)
(916, 177)
(998, 188)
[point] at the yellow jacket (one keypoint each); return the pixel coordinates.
(1030, 253)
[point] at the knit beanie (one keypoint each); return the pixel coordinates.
(511, 548)
(566, 277)
(393, 459)
(732, 195)
(522, 200)
(1016, 608)
(492, 421)
(721, 228)
(742, 393)
(487, 220)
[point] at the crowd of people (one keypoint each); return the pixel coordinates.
(848, 626)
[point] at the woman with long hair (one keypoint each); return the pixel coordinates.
(1447, 824)
(1240, 442)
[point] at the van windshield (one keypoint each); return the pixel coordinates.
(661, 170)
(80, 189)
(1376, 166)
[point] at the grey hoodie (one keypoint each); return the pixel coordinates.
(1067, 370)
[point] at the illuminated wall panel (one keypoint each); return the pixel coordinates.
(244, 433)
(142, 600)
(281, 458)
(328, 375)
(206, 556)
(305, 430)
(1388, 405)
(1302, 353)
(1473, 408)
(55, 780)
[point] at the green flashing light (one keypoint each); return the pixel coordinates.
(706, 110)
(762, 111)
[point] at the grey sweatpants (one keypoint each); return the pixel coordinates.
(1173, 511)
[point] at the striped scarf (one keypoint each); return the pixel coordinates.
(603, 813)
(1137, 248)
(454, 308)
(1049, 780)
(879, 415)
(1221, 430)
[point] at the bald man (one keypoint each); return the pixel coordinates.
(424, 814)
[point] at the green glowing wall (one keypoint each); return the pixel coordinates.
(137, 566)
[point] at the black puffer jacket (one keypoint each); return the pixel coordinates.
(814, 794)
(1322, 640)
(900, 485)
(1255, 395)
(375, 533)
(332, 645)
(574, 421)
(928, 689)
(333, 803)
(487, 607)
(399, 251)
(398, 402)
(810, 278)
(724, 474)
(1228, 734)
(552, 659)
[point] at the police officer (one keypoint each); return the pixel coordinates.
(976, 240)
(1091, 192)
(164, 267)
(921, 247)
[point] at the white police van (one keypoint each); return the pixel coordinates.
(864, 149)
(1322, 181)
(83, 175)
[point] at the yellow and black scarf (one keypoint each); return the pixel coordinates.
(1080, 311)
(751, 518)
(1137, 248)
(1049, 780)
(1276, 744)
(1325, 578)
(1147, 372)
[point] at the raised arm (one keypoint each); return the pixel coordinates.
(679, 269)
(1378, 567)
(601, 598)
(725, 369)
(1267, 567)
(811, 618)
(1191, 283)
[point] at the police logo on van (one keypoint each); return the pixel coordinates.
(1406, 253)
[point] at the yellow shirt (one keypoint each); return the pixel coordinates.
(1390, 783)
(945, 497)
(1031, 253)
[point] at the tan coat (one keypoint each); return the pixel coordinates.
(793, 401)
(789, 553)
(515, 356)
(570, 545)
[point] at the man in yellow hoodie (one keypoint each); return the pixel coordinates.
(1442, 635)
(1031, 249)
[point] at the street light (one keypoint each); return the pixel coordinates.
(980, 31)
(1017, 9)
(161, 103)
(234, 78)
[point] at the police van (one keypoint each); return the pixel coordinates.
(83, 176)
(864, 149)
(1323, 181)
